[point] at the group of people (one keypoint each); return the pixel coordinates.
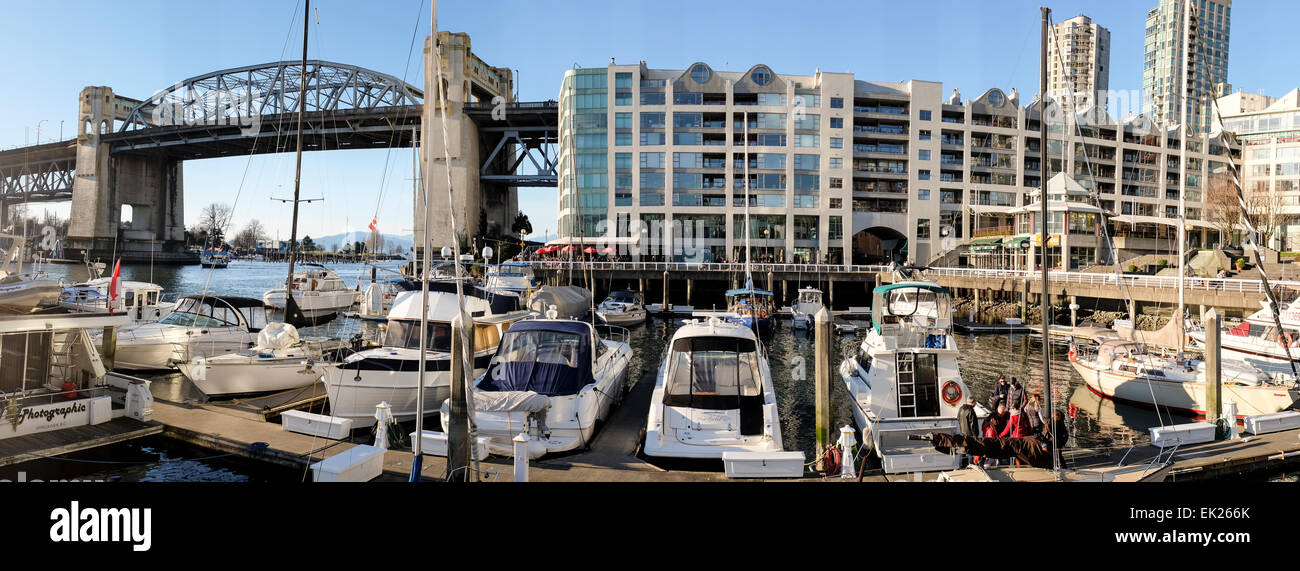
(1013, 416)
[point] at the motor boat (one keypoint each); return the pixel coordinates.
(319, 292)
(141, 300)
(622, 307)
(21, 292)
(514, 277)
(751, 307)
(279, 361)
(390, 373)
(1257, 342)
(199, 326)
(1127, 371)
(377, 299)
(553, 380)
(713, 395)
(803, 310)
(904, 379)
(214, 259)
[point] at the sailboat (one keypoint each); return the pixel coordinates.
(18, 291)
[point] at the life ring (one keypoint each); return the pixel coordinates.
(1285, 339)
(1074, 355)
(951, 393)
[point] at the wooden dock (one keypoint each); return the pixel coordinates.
(69, 440)
(973, 328)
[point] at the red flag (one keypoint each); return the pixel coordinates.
(112, 285)
(374, 222)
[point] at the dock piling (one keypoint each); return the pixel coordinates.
(1213, 368)
(521, 457)
(822, 362)
(665, 290)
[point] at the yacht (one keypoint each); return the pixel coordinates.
(279, 361)
(389, 373)
(803, 310)
(904, 380)
(214, 259)
(199, 326)
(141, 300)
(23, 292)
(514, 277)
(1126, 371)
(713, 395)
(1258, 343)
(553, 380)
(622, 307)
(751, 307)
(318, 291)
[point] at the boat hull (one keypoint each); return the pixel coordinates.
(355, 389)
(1186, 397)
(243, 375)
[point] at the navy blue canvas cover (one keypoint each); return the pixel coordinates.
(538, 365)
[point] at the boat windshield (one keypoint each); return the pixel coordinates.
(406, 333)
(810, 297)
(712, 373)
(908, 302)
(191, 312)
(621, 297)
(535, 346)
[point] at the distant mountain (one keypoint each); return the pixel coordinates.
(338, 241)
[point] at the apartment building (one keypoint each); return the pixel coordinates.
(1078, 58)
(1163, 65)
(844, 170)
(1269, 131)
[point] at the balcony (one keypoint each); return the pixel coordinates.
(875, 130)
(884, 149)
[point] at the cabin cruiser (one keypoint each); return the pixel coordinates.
(390, 373)
(622, 307)
(199, 326)
(803, 310)
(318, 292)
(141, 300)
(751, 307)
(214, 259)
(514, 277)
(553, 380)
(713, 395)
(23, 292)
(904, 380)
(1126, 371)
(279, 361)
(1256, 342)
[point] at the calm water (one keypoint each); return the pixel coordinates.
(1099, 423)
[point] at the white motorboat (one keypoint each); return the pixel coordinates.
(389, 373)
(622, 308)
(214, 259)
(141, 300)
(803, 310)
(514, 277)
(553, 380)
(1126, 371)
(713, 395)
(318, 291)
(199, 326)
(378, 297)
(18, 291)
(1258, 343)
(904, 380)
(279, 361)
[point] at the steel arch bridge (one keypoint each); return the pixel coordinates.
(240, 95)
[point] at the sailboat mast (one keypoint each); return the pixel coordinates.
(1044, 304)
(745, 168)
(297, 173)
(1184, 132)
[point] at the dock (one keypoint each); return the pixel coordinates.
(973, 328)
(69, 440)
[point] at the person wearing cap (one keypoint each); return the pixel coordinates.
(967, 420)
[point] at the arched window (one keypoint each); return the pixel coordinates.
(700, 73)
(761, 76)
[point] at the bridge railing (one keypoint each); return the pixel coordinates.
(1224, 285)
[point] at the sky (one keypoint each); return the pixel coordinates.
(53, 48)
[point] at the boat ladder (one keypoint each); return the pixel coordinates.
(906, 385)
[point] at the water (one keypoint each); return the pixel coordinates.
(149, 459)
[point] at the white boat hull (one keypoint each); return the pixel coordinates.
(24, 295)
(631, 317)
(249, 374)
(1183, 396)
(314, 303)
(353, 393)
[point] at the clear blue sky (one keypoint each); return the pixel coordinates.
(53, 48)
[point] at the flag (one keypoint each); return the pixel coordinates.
(373, 222)
(112, 285)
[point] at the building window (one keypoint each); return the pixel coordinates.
(923, 174)
(837, 103)
(623, 160)
(836, 182)
(923, 155)
(622, 120)
(651, 138)
(761, 76)
(837, 162)
(837, 143)
(923, 229)
(836, 229)
(806, 162)
(837, 122)
(925, 115)
(622, 139)
(700, 73)
(623, 80)
(923, 194)
(623, 98)
(652, 120)
(652, 98)
(837, 203)
(924, 134)
(652, 160)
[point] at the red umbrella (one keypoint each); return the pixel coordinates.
(569, 249)
(609, 250)
(591, 250)
(545, 249)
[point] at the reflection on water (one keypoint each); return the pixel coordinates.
(150, 459)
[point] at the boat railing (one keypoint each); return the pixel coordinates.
(16, 402)
(614, 333)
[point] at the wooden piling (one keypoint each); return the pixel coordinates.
(822, 374)
(665, 290)
(1213, 367)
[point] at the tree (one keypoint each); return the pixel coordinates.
(307, 244)
(248, 238)
(1222, 206)
(213, 220)
(521, 226)
(1267, 212)
(376, 242)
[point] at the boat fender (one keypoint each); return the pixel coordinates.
(70, 390)
(1074, 355)
(951, 393)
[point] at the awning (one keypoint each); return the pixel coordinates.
(1135, 219)
(985, 244)
(1016, 243)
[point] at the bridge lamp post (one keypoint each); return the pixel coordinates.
(38, 130)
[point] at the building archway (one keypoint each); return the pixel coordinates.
(879, 245)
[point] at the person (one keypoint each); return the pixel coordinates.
(1034, 412)
(1015, 394)
(1016, 427)
(1062, 435)
(992, 427)
(967, 419)
(999, 396)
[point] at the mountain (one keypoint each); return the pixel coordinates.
(338, 241)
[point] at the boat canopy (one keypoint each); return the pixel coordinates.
(712, 373)
(548, 357)
(499, 302)
(910, 285)
(217, 311)
(747, 291)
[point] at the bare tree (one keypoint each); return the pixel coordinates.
(1267, 212)
(248, 238)
(1222, 207)
(213, 220)
(376, 242)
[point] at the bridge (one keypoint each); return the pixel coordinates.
(682, 280)
(131, 151)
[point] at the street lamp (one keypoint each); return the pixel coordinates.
(38, 130)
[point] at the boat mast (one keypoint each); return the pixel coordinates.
(1184, 132)
(1044, 303)
(292, 314)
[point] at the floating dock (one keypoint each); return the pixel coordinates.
(973, 328)
(68, 440)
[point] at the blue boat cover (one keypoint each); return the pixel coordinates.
(551, 358)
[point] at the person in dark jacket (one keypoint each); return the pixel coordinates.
(999, 396)
(1015, 394)
(967, 420)
(1034, 412)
